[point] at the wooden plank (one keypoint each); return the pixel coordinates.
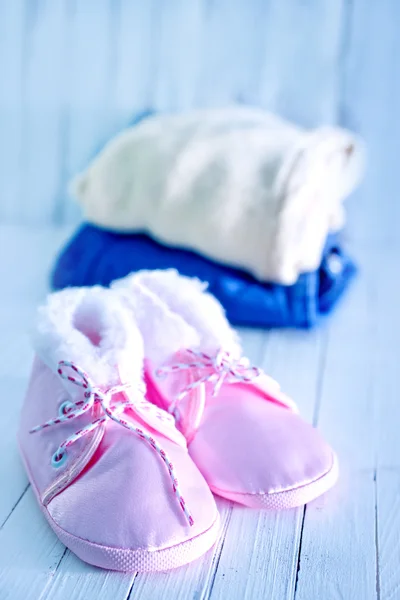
(28, 255)
(25, 273)
(371, 96)
(254, 343)
(388, 533)
(295, 358)
(338, 554)
(116, 44)
(177, 30)
(345, 556)
(13, 480)
(218, 56)
(359, 407)
(299, 77)
(232, 41)
(190, 581)
(381, 262)
(134, 51)
(91, 85)
(346, 414)
(44, 96)
(259, 557)
(360, 377)
(26, 276)
(12, 33)
(29, 552)
(74, 579)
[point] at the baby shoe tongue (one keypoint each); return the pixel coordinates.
(166, 384)
(154, 417)
(178, 378)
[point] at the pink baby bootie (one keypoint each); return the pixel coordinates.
(243, 433)
(110, 471)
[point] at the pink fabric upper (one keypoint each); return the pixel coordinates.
(250, 439)
(247, 445)
(246, 438)
(123, 497)
(45, 394)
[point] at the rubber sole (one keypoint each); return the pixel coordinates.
(290, 498)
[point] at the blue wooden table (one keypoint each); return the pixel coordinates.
(72, 73)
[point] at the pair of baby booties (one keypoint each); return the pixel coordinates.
(140, 407)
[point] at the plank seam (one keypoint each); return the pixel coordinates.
(131, 586)
(51, 575)
(323, 355)
(114, 28)
(156, 27)
(15, 506)
(298, 564)
(378, 580)
(59, 211)
(345, 42)
(206, 593)
(30, 17)
(63, 194)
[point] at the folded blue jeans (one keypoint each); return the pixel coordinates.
(96, 256)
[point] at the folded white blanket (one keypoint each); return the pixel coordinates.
(238, 185)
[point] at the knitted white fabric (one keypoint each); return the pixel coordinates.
(238, 185)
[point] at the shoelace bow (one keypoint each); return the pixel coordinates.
(220, 368)
(93, 396)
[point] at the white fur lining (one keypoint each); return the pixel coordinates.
(186, 303)
(164, 332)
(71, 317)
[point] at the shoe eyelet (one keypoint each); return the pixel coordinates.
(160, 374)
(58, 459)
(65, 408)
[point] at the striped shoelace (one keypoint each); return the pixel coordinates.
(94, 396)
(218, 369)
